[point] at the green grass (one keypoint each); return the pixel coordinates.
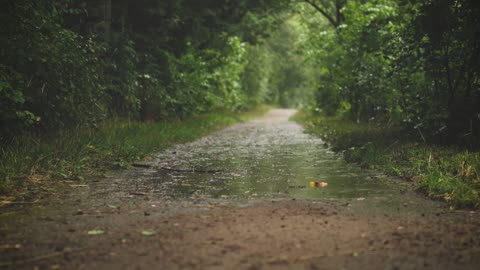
(31, 164)
(448, 173)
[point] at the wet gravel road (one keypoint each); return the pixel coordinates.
(240, 198)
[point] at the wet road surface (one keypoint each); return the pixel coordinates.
(240, 198)
(266, 157)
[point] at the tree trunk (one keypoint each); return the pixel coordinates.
(107, 19)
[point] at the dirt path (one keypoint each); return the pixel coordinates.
(239, 199)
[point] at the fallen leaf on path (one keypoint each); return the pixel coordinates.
(96, 232)
(113, 206)
(148, 233)
(318, 184)
(9, 246)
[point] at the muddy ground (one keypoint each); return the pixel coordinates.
(240, 199)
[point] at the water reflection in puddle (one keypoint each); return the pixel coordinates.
(263, 158)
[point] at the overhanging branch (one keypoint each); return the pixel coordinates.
(323, 12)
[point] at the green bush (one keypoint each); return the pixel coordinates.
(447, 173)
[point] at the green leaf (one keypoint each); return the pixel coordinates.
(148, 233)
(96, 232)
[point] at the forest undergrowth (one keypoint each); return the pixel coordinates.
(68, 67)
(31, 166)
(449, 173)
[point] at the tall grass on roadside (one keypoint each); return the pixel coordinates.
(75, 154)
(444, 172)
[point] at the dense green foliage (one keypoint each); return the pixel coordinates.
(448, 173)
(48, 74)
(410, 62)
(397, 82)
(74, 63)
(71, 63)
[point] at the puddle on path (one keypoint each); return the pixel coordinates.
(267, 157)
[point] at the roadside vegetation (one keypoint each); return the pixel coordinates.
(28, 165)
(449, 173)
(71, 67)
(398, 89)
(87, 84)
